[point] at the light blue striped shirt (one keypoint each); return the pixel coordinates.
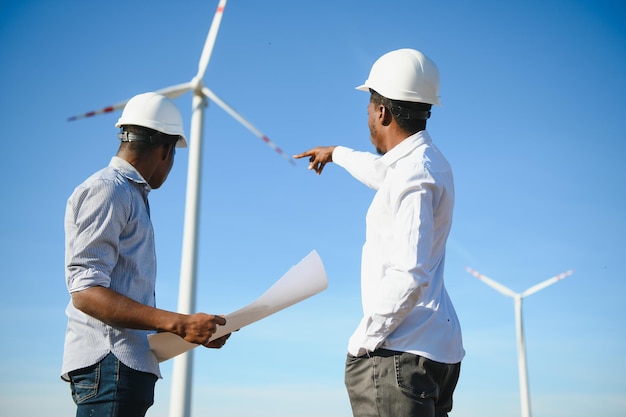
(109, 242)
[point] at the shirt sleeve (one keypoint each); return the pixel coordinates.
(361, 165)
(410, 203)
(94, 220)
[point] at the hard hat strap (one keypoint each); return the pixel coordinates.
(404, 113)
(402, 109)
(125, 136)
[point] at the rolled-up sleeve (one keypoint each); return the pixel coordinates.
(94, 219)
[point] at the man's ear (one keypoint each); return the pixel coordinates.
(386, 116)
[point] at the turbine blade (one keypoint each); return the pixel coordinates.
(210, 40)
(493, 284)
(175, 90)
(108, 109)
(211, 95)
(171, 92)
(546, 283)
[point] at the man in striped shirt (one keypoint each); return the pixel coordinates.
(110, 263)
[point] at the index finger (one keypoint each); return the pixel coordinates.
(310, 152)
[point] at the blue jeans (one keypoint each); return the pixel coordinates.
(386, 383)
(111, 389)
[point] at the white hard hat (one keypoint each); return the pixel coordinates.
(406, 75)
(156, 112)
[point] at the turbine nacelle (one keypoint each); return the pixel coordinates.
(196, 85)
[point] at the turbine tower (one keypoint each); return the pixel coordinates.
(180, 400)
(519, 326)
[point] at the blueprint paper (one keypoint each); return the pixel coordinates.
(302, 281)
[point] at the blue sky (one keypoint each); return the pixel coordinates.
(532, 123)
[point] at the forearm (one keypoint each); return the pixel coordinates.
(117, 310)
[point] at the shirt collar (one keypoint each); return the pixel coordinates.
(129, 171)
(404, 148)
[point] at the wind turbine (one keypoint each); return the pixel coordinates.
(180, 401)
(521, 348)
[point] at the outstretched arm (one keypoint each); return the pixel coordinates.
(318, 157)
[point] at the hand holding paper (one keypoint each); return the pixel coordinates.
(302, 281)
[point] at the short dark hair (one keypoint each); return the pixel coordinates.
(410, 116)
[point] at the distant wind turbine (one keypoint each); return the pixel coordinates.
(521, 348)
(180, 401)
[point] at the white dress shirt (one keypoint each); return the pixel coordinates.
(405, 304)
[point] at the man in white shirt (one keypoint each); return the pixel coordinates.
(404, 357)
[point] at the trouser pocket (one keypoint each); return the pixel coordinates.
(84, 383)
